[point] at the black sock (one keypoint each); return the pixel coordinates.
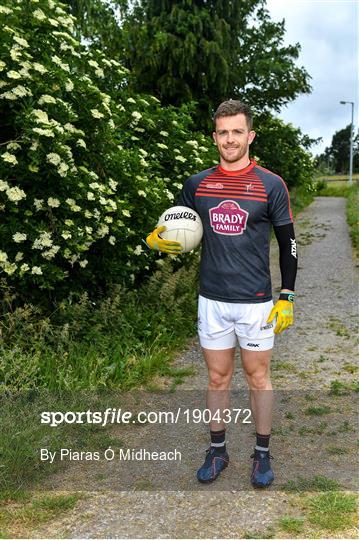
(262, 442)
(218, 440)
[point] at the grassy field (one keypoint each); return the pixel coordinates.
(337, 177)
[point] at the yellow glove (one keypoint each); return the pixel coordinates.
(283, 310)
(154, 241)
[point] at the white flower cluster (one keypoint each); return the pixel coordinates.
(14, 194)
(45, 98)
(9, 158)
(19, 237)
(137, 116)
(53, 203)
(43, 241)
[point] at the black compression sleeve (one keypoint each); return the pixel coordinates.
(287, 254)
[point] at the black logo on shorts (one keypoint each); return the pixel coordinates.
(252, 344)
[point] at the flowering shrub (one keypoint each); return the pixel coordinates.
(85, 167)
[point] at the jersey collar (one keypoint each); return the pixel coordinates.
(240, 171)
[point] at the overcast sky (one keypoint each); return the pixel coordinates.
(328, 33)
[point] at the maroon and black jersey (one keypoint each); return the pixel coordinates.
(237, 209)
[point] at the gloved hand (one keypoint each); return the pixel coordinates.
(154, 241)
(283, 310)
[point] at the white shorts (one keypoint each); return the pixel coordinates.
(220, 324)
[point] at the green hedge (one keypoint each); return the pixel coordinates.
(85, 167)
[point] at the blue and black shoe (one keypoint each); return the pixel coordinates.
(262, 474)
(214, 463)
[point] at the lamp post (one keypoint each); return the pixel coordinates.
(351, 141)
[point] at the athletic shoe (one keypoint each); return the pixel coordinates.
(262, 474)
(213, 465)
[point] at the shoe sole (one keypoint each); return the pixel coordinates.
(261, 486)
(214, 478)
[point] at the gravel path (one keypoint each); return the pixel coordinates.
(320, 348)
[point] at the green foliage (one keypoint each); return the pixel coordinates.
(335, 158)
(119, 342)
(209, 51)
(85, 168)
(291, 158)
(333, 510)
(292, 524)
(97, 23)
(23, 435)
(353, 214)
(317, 411)
(318, 483)
(343, 189)
(37, 511)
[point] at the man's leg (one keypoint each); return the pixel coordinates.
(256, 365)
(220, 365)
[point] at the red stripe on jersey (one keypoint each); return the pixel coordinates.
(257, 185)
(239, 182)
(229, 191)
(234, 179)
(226, 195)
(234, 187)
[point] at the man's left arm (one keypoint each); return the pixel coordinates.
(288, 262)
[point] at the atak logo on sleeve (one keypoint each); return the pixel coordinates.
(228, 218)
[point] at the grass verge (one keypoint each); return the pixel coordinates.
(342, 189)
(119, 343)
(23, 435)
(300, 197)
(322, 515)
(16, 520)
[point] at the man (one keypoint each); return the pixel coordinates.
(238, 201)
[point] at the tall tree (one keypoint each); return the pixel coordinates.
(340, 150)
(209, 51)
(98, 22)
(336, 156)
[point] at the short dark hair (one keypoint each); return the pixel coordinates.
(231, 108)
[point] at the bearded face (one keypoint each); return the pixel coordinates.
(233, 137)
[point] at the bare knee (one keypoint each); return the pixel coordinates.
(258, 380)
(219, 380)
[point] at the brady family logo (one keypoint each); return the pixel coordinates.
(228, 218)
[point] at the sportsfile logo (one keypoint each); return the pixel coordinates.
(293, 247)
(228, 218)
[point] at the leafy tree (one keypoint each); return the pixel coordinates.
(97, 22)
(340, 150)
(284, 149)
(210, 50)
(338, 153)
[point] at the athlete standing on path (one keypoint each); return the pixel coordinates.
(238, 202)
